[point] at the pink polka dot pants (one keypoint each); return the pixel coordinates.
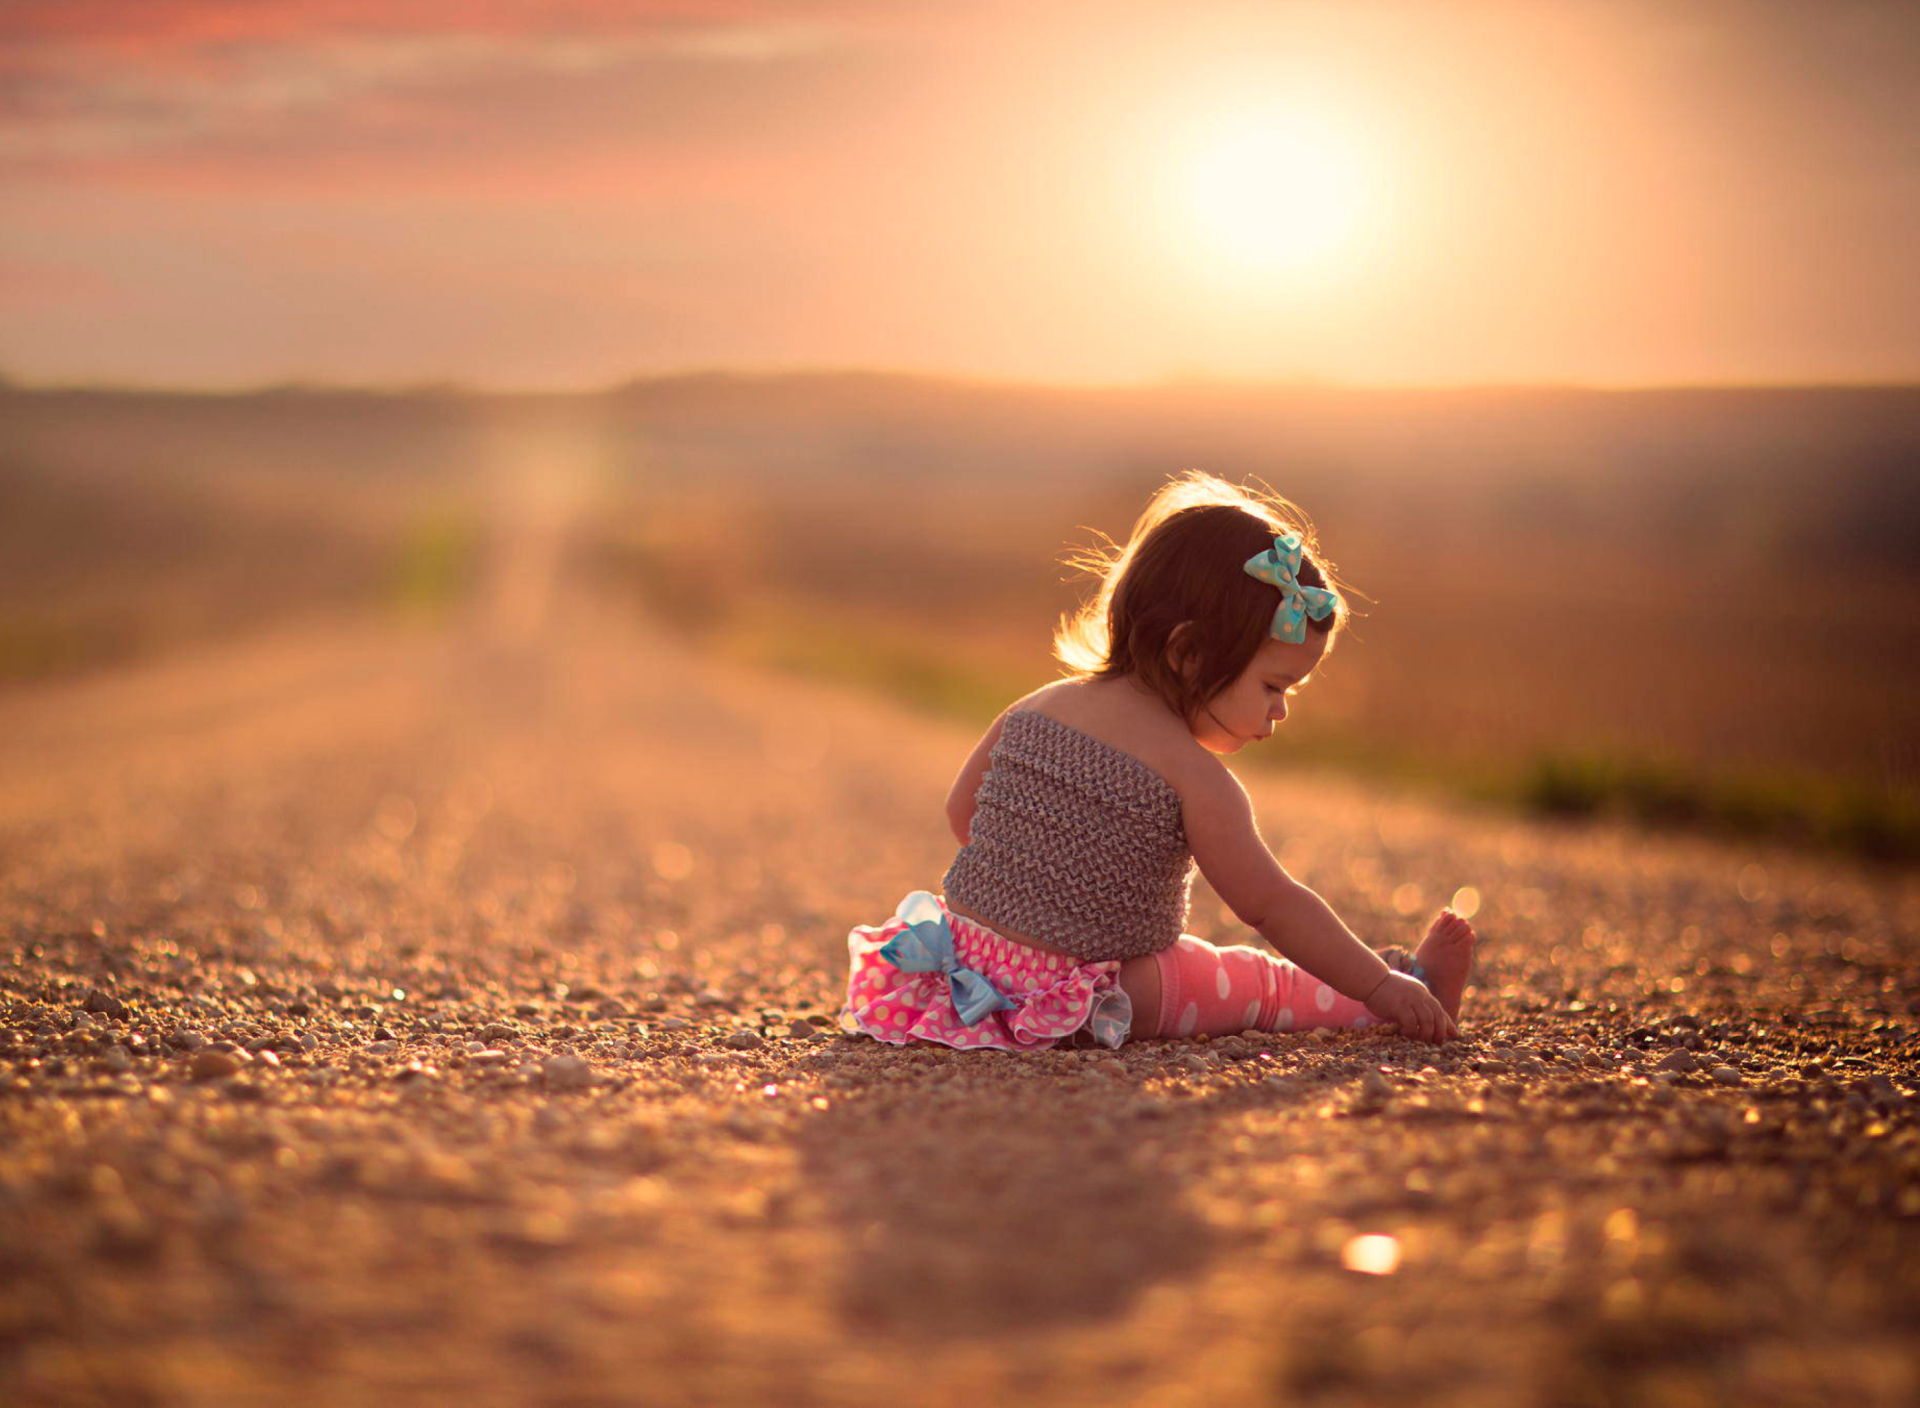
(1212, 991)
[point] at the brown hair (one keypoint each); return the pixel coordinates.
(1183, 564)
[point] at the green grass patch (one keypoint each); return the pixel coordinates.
(433, 565)
(1825, 811)
(918, 673)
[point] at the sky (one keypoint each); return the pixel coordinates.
(540, 194)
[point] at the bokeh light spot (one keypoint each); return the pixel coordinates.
(1376, 1254)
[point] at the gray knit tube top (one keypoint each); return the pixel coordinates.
(1075, 843)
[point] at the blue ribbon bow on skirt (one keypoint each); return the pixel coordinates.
(926, 946)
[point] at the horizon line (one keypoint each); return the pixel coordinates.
(462, 387)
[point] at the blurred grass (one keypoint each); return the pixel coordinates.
(434, 563)
(1605, 634)
(936, 677)
(1797, 806)
(31, 648)
(97, 570)
(911, 670)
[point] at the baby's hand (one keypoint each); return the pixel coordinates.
(1405, 999)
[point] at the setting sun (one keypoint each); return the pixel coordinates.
(1276, 191)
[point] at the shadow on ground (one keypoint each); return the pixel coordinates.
(960, 1216)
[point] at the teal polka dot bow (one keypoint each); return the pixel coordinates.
(926, 946)
(1280, 565)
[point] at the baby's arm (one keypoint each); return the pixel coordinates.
(967, 786)
(1226, 843)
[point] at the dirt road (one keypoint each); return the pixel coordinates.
(431, 1015)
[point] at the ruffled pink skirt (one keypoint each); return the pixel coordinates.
(1056, 998)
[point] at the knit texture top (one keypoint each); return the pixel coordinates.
(1076, 843)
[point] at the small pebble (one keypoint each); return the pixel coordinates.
(1727, 1075)
(105, 1003)
(746, 1039)
(566, 1073)
(215, 1065)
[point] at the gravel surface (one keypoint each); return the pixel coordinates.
(450, 1016)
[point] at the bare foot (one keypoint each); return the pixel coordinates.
(1445, 957)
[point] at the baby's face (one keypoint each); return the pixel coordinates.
(1250, 708)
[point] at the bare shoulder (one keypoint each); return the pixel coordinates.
(1052, 689)
(1212, 798)
(984, 748)
(1138, 723)
(1025, 701)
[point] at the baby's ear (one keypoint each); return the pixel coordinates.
(1179, 656)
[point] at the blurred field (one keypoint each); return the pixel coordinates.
(1682, 606)
(419, 969)
(393, 1016)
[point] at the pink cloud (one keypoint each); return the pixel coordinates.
(101, 88)
(24, 281)
(159, 25)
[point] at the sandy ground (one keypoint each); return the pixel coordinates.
(446, 1015)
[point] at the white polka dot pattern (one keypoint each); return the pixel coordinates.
(1054, 996)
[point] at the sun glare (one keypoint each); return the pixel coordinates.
(1276, 192)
